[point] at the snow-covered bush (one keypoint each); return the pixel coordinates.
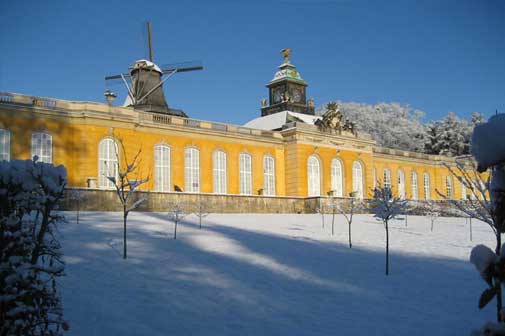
(385, 207)
(30, 256)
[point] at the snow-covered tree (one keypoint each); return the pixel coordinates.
(392, 125)
(176, 213)
(348, 211)
(449, 136)
(30, 253)
(385, 207)
(127, 183)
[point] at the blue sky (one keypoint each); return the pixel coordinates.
(437, 56)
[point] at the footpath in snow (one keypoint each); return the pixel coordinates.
(252, 274)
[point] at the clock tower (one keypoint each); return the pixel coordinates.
(287, 90)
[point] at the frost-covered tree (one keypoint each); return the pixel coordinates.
(385, 207)
(392, 125)
(449, 136)
(30, 253)
(127, 183)
(176, 213)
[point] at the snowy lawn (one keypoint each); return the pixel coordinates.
(270, 275)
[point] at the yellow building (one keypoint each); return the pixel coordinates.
(288, 151)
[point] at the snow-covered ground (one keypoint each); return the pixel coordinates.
(270, 275)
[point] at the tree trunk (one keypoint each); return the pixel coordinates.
(406, 220)
(322, 218)
(431, 229)
(78, 207)
(333, 223)
(497, 280)
(175, 229)
(200, 221)
(471, 229)
(124, 232)
(350, 244)
(387, 248)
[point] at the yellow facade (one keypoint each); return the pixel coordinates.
(77, 128)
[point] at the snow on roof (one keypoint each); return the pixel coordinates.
(279, 119)
(147, 64)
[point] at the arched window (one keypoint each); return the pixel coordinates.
(336, 178)
(107, 162)
(427, 190)
(448, 187)
(245, 174)
(387, 179)
(162, 168)
(42, 146)
(401, 184)
(463, 190)
(5, 144)
(357, 179)
(269, 175)
(314, 176)
(191, 169)
(415, 192)
(219, 172)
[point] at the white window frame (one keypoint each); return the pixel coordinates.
(426, 186)
(449, 187)
(313, 176)
(192, 170)
(401, 184)
(5, 144)
(245, 173)
(357, 179)
(386, 178)
(219, 172)
(42, 146)
(415, 189)
(268, 175)
(337, 179)
(162, 160)
(107, 162)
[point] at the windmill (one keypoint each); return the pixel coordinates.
(145, 85)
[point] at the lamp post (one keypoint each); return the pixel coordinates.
(109, 96)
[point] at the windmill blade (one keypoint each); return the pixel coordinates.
(182, 66)
(117, 76)
(165, 71)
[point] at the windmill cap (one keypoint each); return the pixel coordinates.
(145, 64)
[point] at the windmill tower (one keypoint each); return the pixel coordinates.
(145, 89)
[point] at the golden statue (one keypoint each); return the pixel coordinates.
(286, 53)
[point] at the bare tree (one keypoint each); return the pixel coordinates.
(77, 196)
(322, 211)
(348, 212)
(432, 211)
(385, 207)
(176, 214)
(127, 183)
(201, 211)
(486, 204)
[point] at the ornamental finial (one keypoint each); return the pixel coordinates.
(286, 53)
